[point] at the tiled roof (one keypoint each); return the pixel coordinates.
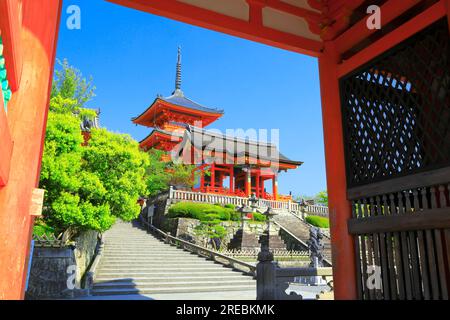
(237, 146)
(181, 100)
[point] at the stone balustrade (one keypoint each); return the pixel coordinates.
(279, 206)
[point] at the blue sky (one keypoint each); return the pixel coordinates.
(131, 56)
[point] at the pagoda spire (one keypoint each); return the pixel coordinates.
(178, 91)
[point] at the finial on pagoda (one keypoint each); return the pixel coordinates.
(178, 91)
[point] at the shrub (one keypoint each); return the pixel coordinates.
(230, 206)
(259, 217)
(201, 211)
(235, 216)
(41, 228)
(317, 221)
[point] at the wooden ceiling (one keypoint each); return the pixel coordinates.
(297, 25)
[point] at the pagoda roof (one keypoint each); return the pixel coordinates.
(178, 106)
(182, 101)
(161, 132)
(158, 134)
(178, 102)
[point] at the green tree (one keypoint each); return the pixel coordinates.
(87, 187)
(322, 198)
(70, 84)
(161, 175)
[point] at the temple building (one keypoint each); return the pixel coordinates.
(225, 164)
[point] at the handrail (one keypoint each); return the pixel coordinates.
(91, 272)
(211, 254)
(299, 240)
(291, 234)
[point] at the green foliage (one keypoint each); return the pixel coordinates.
(40, 228)
(120, 166)
(161, 175)
(322, 198)
(70, 84)
(202, 212)
(87, 187)
(230, 206)
(317, 221)
(157, 177)
(211, 230)
(235, 216)
(258, 217)
(181, 174)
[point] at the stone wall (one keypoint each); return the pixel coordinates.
(184, 228)
(48, 274)
(54, 270)
(86, 246)
(161, 204)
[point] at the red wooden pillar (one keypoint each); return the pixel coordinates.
(202, 179)
(213, 176)
(448, 13)
(27, 114)
(231, 179)
(248, 182)
(344, 271)
(275, 186)
(257, 180)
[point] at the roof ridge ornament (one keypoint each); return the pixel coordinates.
(178, 91)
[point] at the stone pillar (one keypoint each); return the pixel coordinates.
(266, 280)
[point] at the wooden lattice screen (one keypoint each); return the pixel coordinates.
(396, 118)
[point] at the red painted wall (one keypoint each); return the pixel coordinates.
(27, 114)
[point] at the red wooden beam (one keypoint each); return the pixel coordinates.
(218, 22)
(10, 25)
(6, 145)
(27, 115)
(294, 10)
(447, 4)
(343, 250)
(408, 29)
(357, 33)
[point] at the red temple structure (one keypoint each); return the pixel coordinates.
(246, 164)
(388, 83)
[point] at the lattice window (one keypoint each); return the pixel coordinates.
(396, 110)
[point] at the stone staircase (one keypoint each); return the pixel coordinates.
(135, 262)
(300, 229)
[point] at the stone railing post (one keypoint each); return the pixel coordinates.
(266, 280)
(166, 240)
(171, 192)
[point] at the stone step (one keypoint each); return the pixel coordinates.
(141, 274)
(153, 290)
(180, 284)
(171, 258)
(146, 238)
(153, 264)
(167, 254)
(156, 261)
(159, 267)
(175, 278)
